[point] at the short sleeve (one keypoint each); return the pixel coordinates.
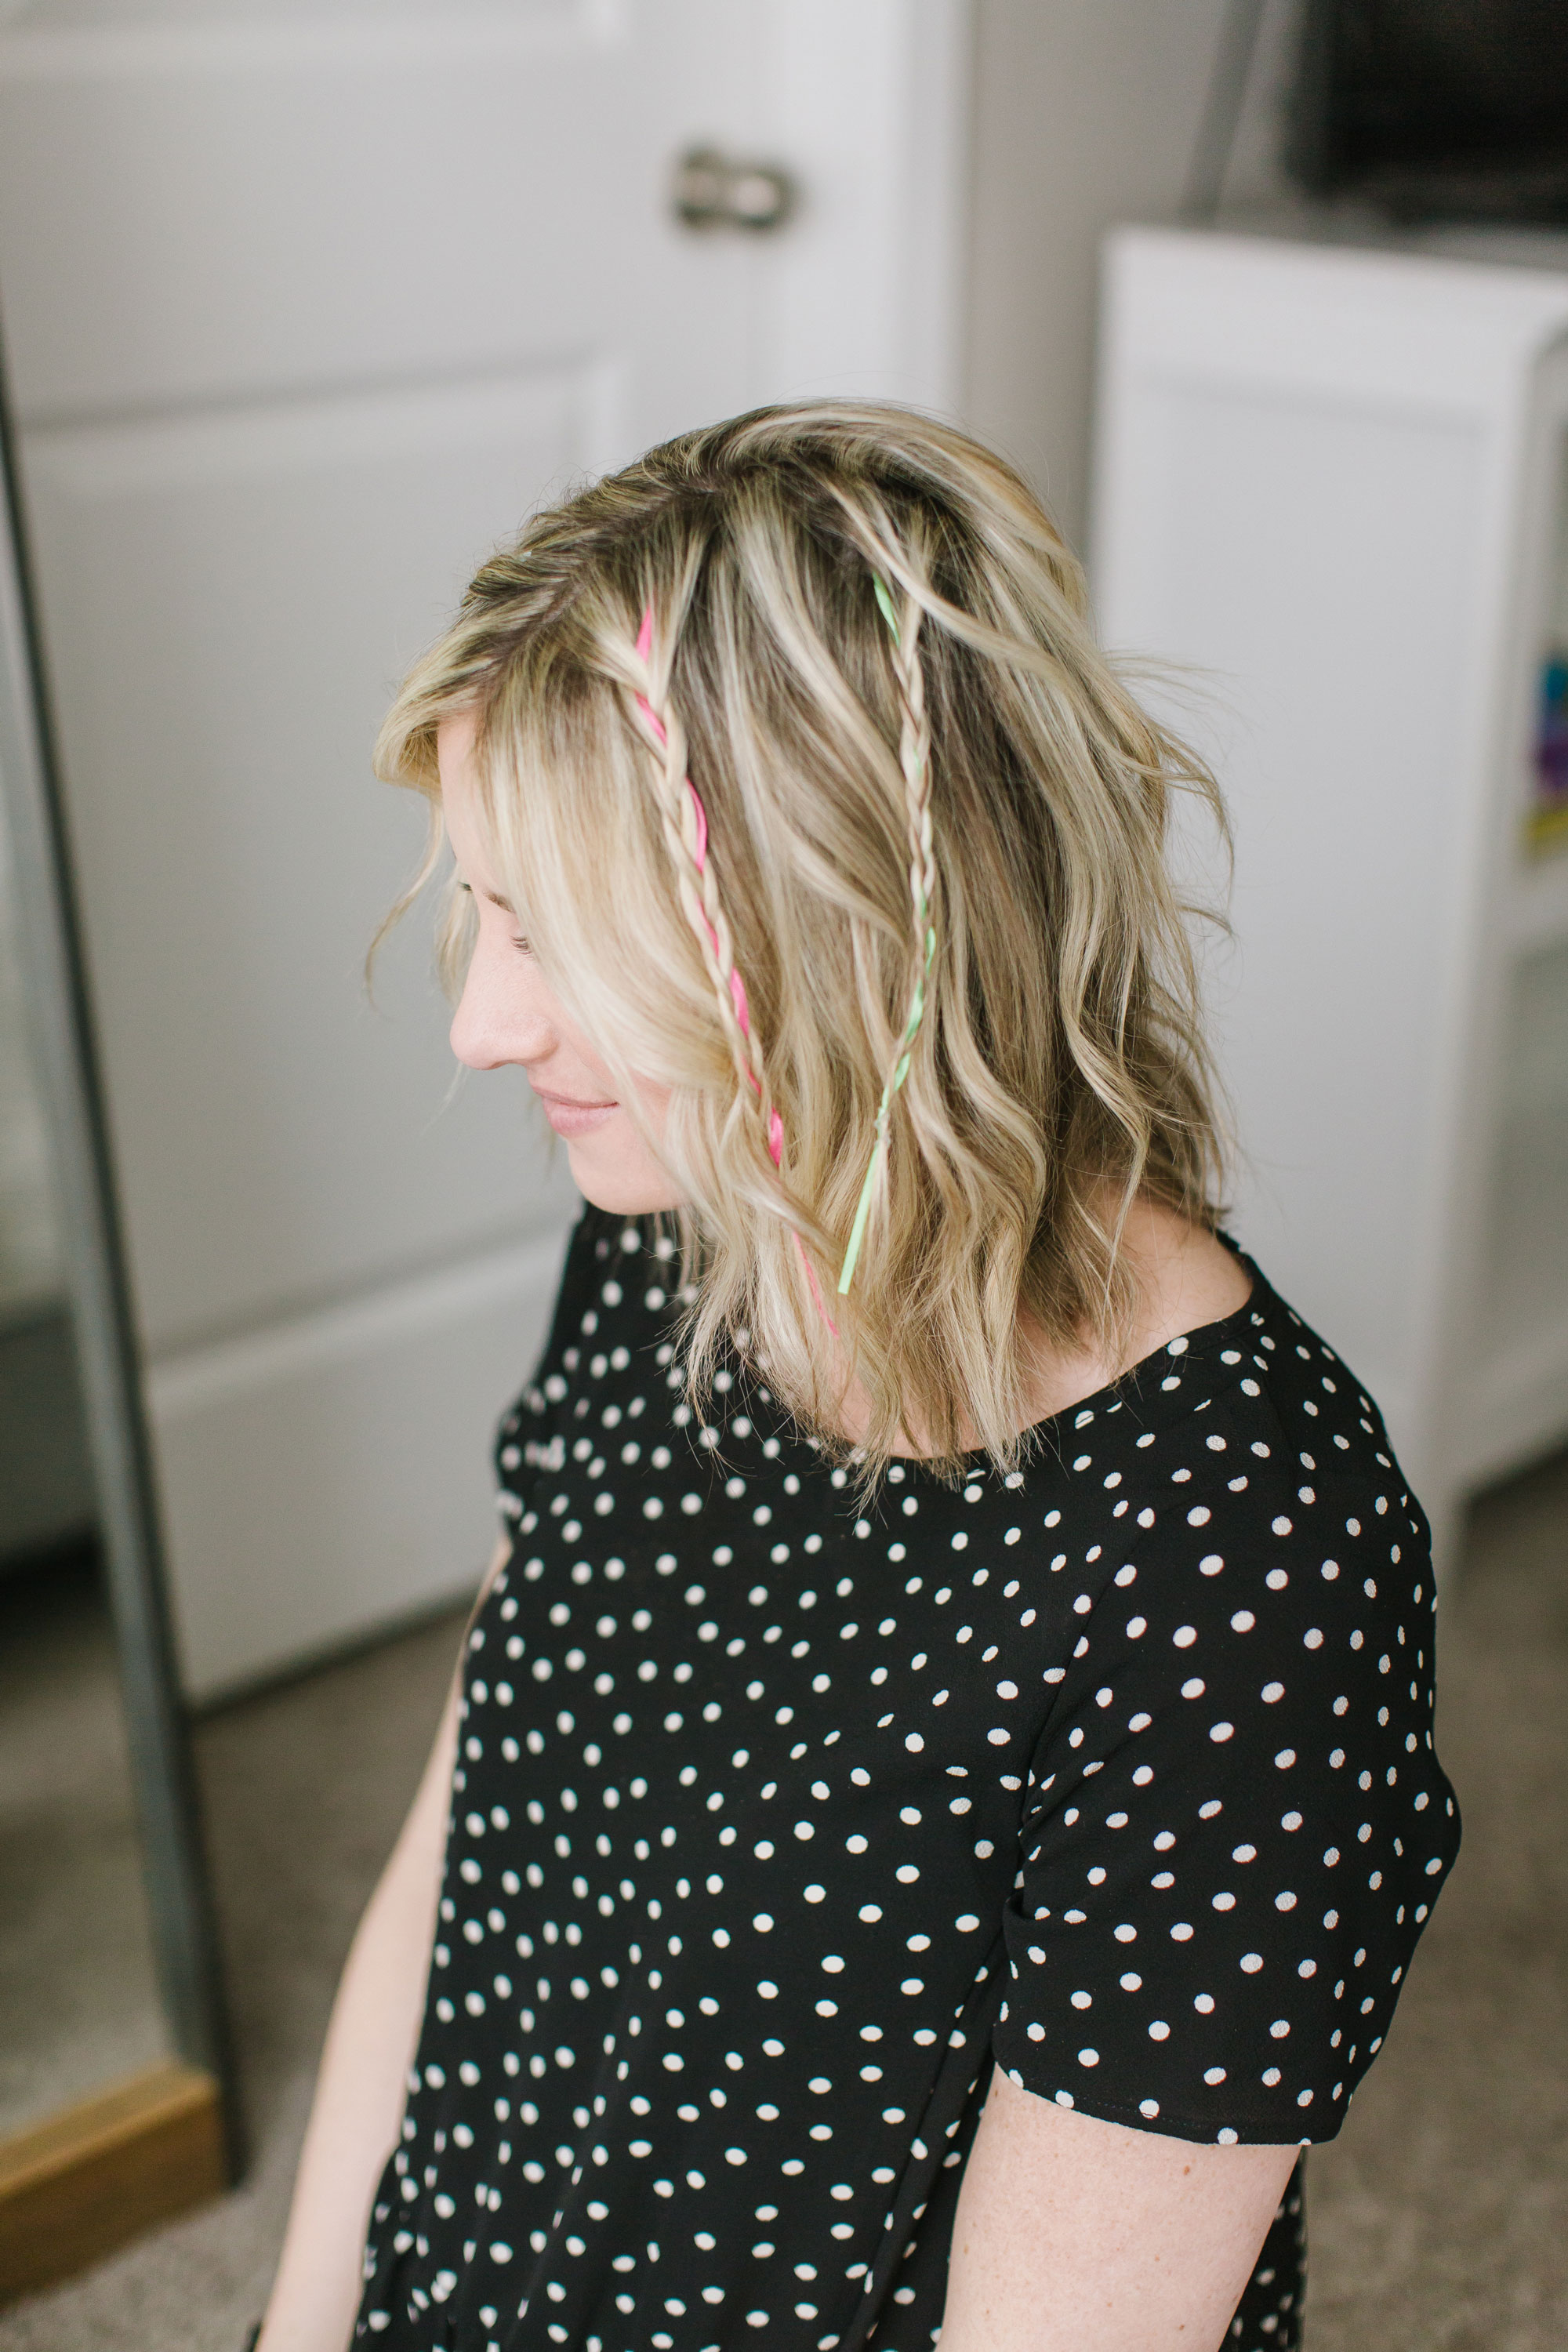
(1234, 1826)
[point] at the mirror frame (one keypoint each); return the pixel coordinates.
(98, 1283)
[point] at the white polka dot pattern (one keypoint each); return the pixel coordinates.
(774, 1821)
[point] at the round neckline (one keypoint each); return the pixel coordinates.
(1197, 1334)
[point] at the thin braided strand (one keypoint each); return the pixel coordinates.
(914, 758)
(685, 821)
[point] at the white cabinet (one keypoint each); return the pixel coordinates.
(1330, 493)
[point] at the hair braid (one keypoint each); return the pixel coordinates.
(685, 826)
(914, 758)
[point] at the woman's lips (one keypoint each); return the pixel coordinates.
(568, 1117)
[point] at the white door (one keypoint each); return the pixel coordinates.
(306, 303)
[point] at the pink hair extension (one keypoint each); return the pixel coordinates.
(661, 733)
(718, 946)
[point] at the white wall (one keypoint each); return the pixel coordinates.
(1086, 114)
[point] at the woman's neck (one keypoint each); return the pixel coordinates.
(1184, 1278)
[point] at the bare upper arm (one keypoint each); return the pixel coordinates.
(1075, 2232)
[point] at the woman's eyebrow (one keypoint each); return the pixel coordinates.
(494, 897)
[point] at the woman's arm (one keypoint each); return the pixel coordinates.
(1076, 2235)
(359, 2089)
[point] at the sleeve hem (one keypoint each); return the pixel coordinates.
(1173, 2124)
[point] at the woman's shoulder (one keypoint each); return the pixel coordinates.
(1216, 1349)
(1306, 1419)
(1247, 1447)
(1241, 1485)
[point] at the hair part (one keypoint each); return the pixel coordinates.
(987, 756)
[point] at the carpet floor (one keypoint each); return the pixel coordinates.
(1436, 2217)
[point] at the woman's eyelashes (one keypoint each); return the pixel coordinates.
(523, 945)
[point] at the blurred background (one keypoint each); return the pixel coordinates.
(305, 304)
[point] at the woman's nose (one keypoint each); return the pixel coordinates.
(499, 1019)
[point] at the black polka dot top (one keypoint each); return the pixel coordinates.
(776, 1826)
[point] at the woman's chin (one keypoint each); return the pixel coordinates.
(621, 1190)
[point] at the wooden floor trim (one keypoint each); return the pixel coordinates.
(87, 2179)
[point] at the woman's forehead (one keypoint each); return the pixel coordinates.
(456, 735)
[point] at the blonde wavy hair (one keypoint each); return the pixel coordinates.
(959, 739)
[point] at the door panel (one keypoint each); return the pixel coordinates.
(229, 598)
(334, 1474)
(306, 303)
(239, 209)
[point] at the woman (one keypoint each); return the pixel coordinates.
(940, 1796)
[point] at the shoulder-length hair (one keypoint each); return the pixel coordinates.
(859, 634)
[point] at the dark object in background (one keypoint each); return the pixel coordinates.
(1435, 110)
